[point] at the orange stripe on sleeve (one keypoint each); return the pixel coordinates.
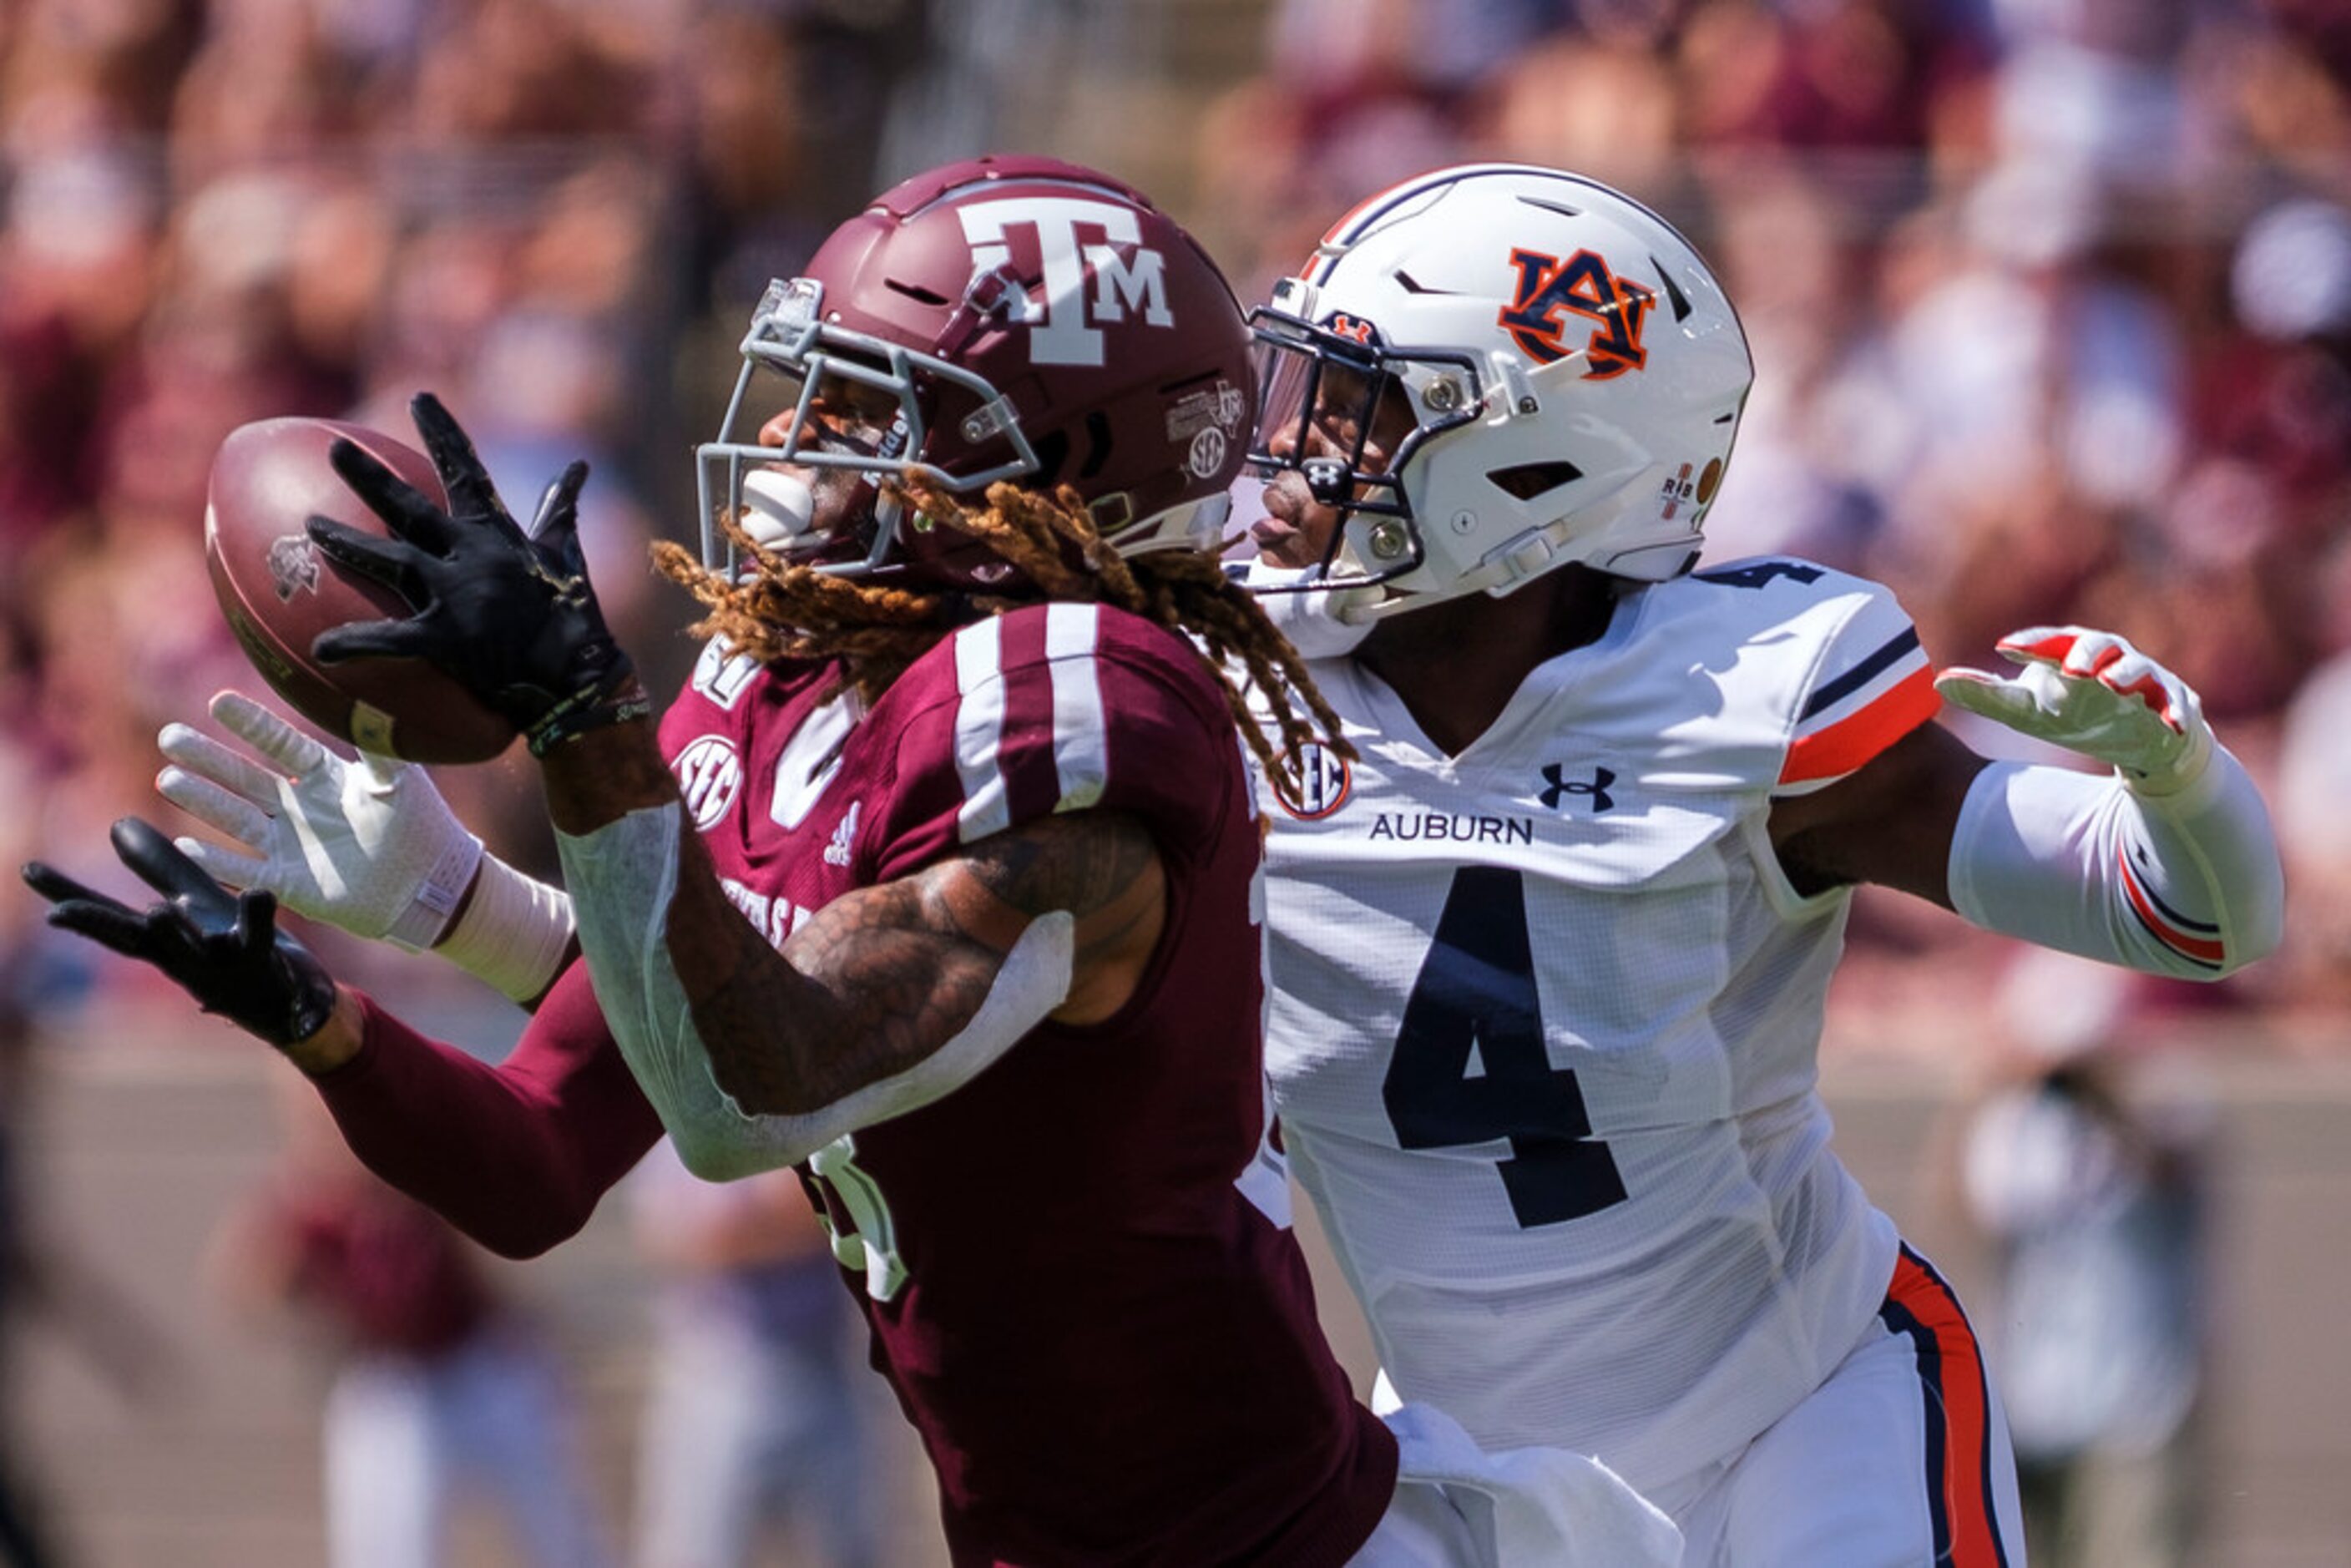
(1852, 740)
(1967, 1505)
(2211, 951)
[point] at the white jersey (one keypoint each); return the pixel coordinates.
(1545, 1020)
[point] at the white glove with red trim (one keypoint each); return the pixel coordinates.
(2092, 693)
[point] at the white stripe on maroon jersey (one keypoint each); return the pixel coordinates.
(1080, 759)
(980, 729)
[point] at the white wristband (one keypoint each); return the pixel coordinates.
(514, 933)
(425, 919)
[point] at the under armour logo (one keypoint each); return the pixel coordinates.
(1561, 787)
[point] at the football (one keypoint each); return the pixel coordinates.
(278, 591)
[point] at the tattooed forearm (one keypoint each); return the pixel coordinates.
(1078, 863)
(872, 986)
(881, 977)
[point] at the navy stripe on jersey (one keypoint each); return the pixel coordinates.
(2197, 941)
(2182, 921)
(1977, 1539)
(1829, 693)
(1897, 1317)
(2170, 942)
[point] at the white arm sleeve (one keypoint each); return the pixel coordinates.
(624, 877)
(2187, 884)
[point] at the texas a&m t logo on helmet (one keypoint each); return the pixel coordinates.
(1582, 283)
(1064, 318)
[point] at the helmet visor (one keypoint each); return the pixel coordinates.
(1346, 415)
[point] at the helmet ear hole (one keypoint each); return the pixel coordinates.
(1053, 450)
(1097, 443)
(1528, 480)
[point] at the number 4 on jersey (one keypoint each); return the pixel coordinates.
(1476, 1001)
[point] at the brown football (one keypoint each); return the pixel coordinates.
(279, 591)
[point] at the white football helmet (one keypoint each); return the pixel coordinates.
(1574, 375)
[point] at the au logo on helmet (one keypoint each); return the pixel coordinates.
(1584, 285)
(1127, 274)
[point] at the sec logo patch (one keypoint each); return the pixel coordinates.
(1321, 787)
(709, 773)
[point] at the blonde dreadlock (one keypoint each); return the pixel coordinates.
(788, 611)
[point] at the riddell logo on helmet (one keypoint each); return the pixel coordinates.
(1128, 277)
(1584, 285)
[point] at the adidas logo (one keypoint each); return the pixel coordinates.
(837, 852)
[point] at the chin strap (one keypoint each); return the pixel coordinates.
(1314, 619)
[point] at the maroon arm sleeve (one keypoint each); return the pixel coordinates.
(514, 1156)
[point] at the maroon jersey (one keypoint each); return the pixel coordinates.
(514, 1156)
(1077, 1267)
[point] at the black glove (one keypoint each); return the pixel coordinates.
(224, 947)
(508, 616)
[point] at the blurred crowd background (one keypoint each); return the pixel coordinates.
(2049, 301)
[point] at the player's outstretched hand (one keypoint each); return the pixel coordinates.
(365, 844)
(508, 615)
(223, 947)
(2092, 693)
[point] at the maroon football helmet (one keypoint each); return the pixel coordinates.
(1001, 318)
